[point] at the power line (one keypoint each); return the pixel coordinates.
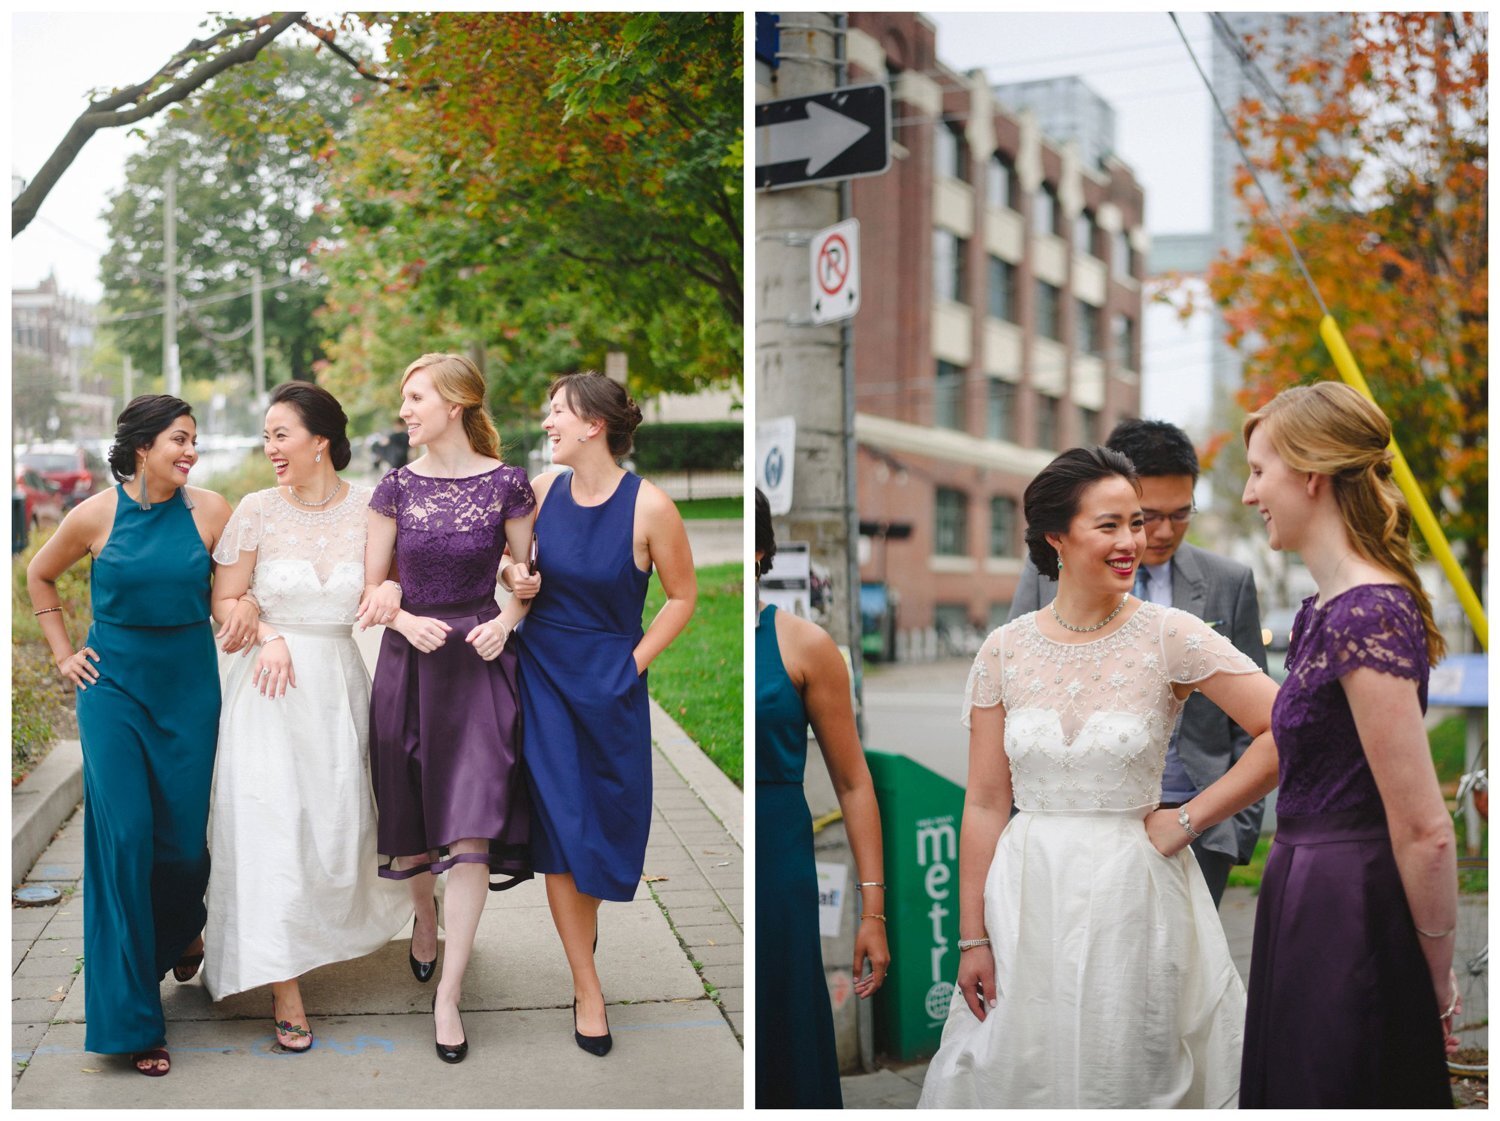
(206, 302)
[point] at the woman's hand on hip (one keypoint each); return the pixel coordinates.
(1165, 833)
(423, 633)
(870, 946)
(273, 669)
(976, 980)
(488, 639)
(75, 667)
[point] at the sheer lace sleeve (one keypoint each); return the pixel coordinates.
(243, 532)
(1192, 651)
(518, 498)
(986, 684)
(383, 499)
(1376, 627)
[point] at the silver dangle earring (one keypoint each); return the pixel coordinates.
(318, 458)
(1059, 562)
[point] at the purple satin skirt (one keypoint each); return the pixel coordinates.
(1341, 1011)
(445, 751)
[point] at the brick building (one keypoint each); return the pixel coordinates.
(1000, 324)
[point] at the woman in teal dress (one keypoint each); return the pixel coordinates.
(800, 678)
(148, 714)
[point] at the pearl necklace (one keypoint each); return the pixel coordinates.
(316, 505)
(1085, 630)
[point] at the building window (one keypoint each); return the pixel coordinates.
(1124, 340)
(1088, 425)
(1044, 210)
(948, 397)
(1084, 230)
(950, 536)
(1046, 421)
(1048, 297)
(1002, 289)
(1123, 257)
(1000, 185)
(1087, 319)
(1000, 411)
(1002, 526)
(950, 278)
(950, 151)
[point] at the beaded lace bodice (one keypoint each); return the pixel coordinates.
(1087, 723)
(309, 564)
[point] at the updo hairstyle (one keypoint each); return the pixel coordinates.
(1052, 498)
(1331, 429)
(144, 419)
(321, 414)
(765, 534)
(594, 397)
(459, 382)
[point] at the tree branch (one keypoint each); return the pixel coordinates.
(327, 38)
(98, 116)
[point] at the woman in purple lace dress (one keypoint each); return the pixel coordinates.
(1351, 993)
(445, 741)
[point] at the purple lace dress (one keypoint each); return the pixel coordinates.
(445, 727)
(1341, 1011)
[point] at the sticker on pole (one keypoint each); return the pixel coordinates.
(834, 256)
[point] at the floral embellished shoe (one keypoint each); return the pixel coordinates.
(289, 1036)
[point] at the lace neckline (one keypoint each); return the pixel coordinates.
(1312, 600)
(454, 479)
(1127, 625)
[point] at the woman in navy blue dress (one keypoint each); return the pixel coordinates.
(600, 531)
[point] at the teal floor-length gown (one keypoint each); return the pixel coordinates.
(149, 726)
(796, 1058)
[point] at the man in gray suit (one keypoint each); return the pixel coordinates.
(1221, 592)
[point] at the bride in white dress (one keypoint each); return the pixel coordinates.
(294, 882)
(1093, 970)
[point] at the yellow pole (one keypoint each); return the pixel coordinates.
(1421, 512)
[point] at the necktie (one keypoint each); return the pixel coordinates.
(1142, 580)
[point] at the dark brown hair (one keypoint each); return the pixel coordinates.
(593, 396)
(321, 414)
(765, 534)
(138, 426)
(1051, 499)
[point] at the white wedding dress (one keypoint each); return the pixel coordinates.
(1116, 988)
(293, 882)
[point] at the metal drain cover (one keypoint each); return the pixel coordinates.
(35, 895)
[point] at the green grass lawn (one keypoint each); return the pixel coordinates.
(699, 508)
(700, 678)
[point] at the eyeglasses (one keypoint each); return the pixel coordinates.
(1178, 517)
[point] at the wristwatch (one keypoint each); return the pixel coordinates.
(1182, 820)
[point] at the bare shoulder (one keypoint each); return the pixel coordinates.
(806, 647)
(655, 507)
(93, 514)
(211, 502)
(542, 484)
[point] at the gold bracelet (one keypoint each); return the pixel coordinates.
(46, 610)
(862, 918)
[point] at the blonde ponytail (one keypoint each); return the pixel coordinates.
(459, 382)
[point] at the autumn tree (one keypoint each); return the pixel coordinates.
(555, 187)
(1379, 161)
(250, 185)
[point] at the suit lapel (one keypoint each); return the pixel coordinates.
(1189, 584)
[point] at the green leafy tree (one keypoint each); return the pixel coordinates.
(543, 190)
(251, 178)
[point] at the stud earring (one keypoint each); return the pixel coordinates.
(583, 439)
(318, 458)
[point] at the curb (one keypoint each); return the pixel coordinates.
(714, 789)
(40, 805)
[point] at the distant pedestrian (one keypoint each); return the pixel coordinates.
(1352, 995)
(801, 679)
(1221, 591)
(445, 721)
(1093, 973)
(148, 716)
(600, 532)
(294, 883)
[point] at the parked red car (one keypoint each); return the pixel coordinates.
(43, 500)
(77, 471)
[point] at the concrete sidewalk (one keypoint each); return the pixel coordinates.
(671, 962)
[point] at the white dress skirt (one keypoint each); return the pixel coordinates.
(1115, 985)
(293, 882)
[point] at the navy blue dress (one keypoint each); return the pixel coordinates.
(583, 703)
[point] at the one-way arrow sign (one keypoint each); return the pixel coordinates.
(841, 134)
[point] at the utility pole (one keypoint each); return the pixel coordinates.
(129, 383)
(171, 372)
(258, 339)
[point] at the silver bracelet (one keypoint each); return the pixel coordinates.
(1452, 1004)
(1435, 933)
(971, 943)
(869, 883)
(273, 638)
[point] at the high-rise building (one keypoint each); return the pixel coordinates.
(1000, 323)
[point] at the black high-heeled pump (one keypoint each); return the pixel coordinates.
(594, 1044)
(423, 970)
(444, 1052)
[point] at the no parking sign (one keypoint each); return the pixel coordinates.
(835, 272)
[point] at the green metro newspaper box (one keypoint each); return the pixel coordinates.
(920, 813)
